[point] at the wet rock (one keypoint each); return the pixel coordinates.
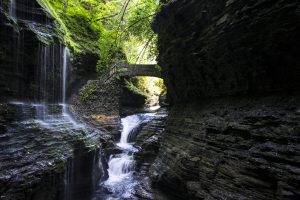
(244, 150)
(215, 146)
(98, 104)
(130, 98)
(47, 161)
(219, 48)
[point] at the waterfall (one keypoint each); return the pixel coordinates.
(12, 9)
(64, 104)
(42, 74)
(121, 166)
(129, 123)
(64, 80)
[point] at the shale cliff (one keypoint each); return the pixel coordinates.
(44, 153)
(214, 48)
(230, 135)
(31, 38)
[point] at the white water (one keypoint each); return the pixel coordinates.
(12, 9)
(65, 75)
(51, 115)
(121, 166)
(64, 105)
(129, 123)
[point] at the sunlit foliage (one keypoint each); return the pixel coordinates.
(115, 29)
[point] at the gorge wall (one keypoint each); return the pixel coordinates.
(232, 73)
(32, 40)
(214, 48)
(44, 153)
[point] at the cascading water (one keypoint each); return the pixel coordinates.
(48, 113)
(65, 111)
(12, 9)
(65, 75)
(121, 180)
(42, 135)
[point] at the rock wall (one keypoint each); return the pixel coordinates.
(235, 148)
(216, 48)
(98, 104)
(31, 39)
(232, 73)
(39, 162)
(36, 161)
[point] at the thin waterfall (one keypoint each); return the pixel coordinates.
(16, 45)
(65, 110)
(12, 9)
(41, 107)
(64, 79)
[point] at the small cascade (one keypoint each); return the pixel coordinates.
(121, 180)
(51, 79)
(129, 124)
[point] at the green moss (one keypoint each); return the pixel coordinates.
(43, 33)
(158, 68)
(81, 34)
(134, 88)
(87, 92)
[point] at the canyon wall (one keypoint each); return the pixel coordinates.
(38, 160)
(217, 48)
(232, 72)
(31, 40)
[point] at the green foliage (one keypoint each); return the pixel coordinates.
(75, 20)
(87, 92)
(114, 29)
(158, 68)
(140, 35)
(147, 86)
(134, 87)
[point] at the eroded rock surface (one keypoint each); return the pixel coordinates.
(98, 104)
(217, 146)
(237, 148)
(46, 159)
(216, 48)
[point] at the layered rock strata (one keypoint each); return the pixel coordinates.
(235, 148)
(46, 161)
(218, 48)
(232, 73)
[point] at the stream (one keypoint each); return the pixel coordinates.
(121, 178)
(45, 132)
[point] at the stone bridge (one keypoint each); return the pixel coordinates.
(129, 70)
(139, 70)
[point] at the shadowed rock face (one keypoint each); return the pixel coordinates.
(46, 160)
(243, 147)
(22, 37)
(216, 48)
(37, 161)
(27, 40)
(231, 149)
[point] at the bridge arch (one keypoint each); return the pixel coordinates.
(139, 70)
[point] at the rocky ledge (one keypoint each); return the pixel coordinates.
(234, 148)
(40, 160)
